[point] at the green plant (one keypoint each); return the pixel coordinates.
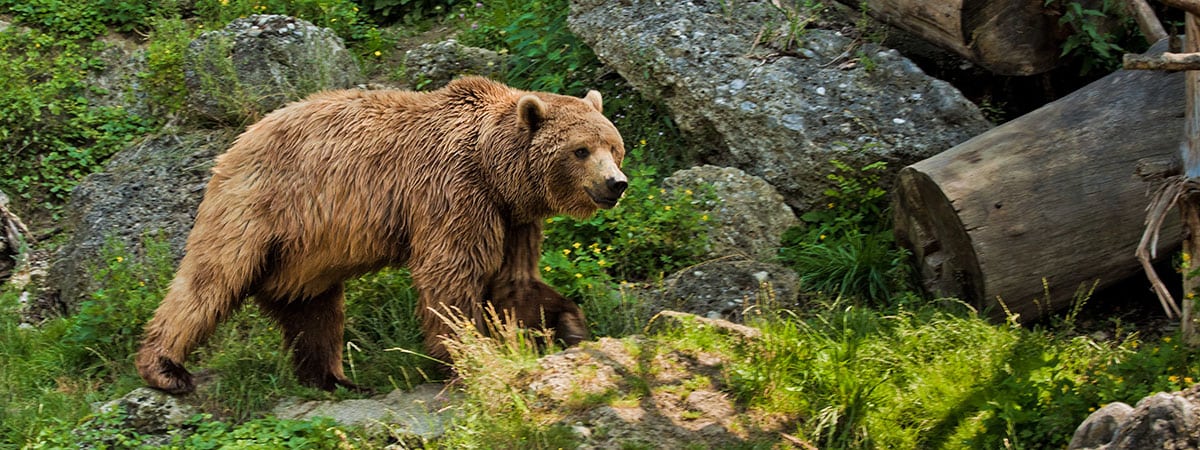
(163, 78)
(847, 248)
(50, 134)
(106, 330)
(1096, 40)
(546, 55)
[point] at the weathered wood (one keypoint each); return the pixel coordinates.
(1008, 37)
(1165, 61)
(1147, 21)
(1192, 6)
(1050, 195)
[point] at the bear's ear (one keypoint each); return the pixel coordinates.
(593, 97)
(531, 112)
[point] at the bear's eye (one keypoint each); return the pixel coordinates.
(582, 153)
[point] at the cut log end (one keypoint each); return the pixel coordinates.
(927, 224)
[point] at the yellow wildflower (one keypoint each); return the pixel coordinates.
(830, 205)
(609, 248)
(548, 268)
(120, 259)
(642, 142)
(687, 191)
(378, 53)
(668, 207)
(1173, 378)
(596, 250)
(566, 251)
(577, 245)
(704, 217)
(579, 275)
(1167, 339)
(822, 237)
(1188, 380)
(601, 263)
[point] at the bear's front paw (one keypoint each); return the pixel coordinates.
(168, 376)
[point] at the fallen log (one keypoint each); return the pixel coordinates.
(1008, 37)
(1049, 196)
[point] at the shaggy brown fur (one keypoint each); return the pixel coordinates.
(454, 184)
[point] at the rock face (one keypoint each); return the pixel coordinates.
(420, 414)
(749, 217)
(152, 187)
(431, 66)
(1160, 421)
(726, 288)
(150, 413)
(778, 113)
(259, 63)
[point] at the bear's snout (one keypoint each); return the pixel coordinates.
(616, 186)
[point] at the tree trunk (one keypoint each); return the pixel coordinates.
(1008, 37)
(1048, 196)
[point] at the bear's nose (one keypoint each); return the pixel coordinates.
(616, 186)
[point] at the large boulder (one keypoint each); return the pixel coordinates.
(259, 63)
(431, 66)
(747, 216)
(727, 288)
(777, 111)
(418, 415)
(1160, 421)
(153, 187)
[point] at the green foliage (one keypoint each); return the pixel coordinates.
(163, 79)
(84, 19)
(546, 55)
(387, 11)
(847, 248)
(108, 326)
(1094, 39)
(265, 433)
(50, 135)
(383, 333)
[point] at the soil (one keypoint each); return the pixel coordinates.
(637, 392)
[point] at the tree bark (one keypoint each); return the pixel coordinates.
(1008, 37)
(1049, 196)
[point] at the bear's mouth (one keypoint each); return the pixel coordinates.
(603, 201)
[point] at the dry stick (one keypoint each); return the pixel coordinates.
(1146, 20)
(1160, 206)
(1165, 61)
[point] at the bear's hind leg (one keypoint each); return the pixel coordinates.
(312, 329)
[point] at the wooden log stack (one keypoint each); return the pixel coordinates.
(1049, 196)
(1007, 37)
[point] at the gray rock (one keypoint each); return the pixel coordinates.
(1100, 428)
(259, 63)
(431, 66)
(727, 288)
(117, 83)
(152, 187)
(419, 414)
(776, 114)
(151, 413)
(747, 219)
(1160, 421)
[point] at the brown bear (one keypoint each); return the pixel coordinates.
(453, 184)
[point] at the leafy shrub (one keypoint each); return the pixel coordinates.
(50, 136)
(546, 55)
(1097, 47)
(163, 78)
(84, 19)
(108, 327)
(847, 248)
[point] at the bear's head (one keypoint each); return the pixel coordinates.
(577, 150)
